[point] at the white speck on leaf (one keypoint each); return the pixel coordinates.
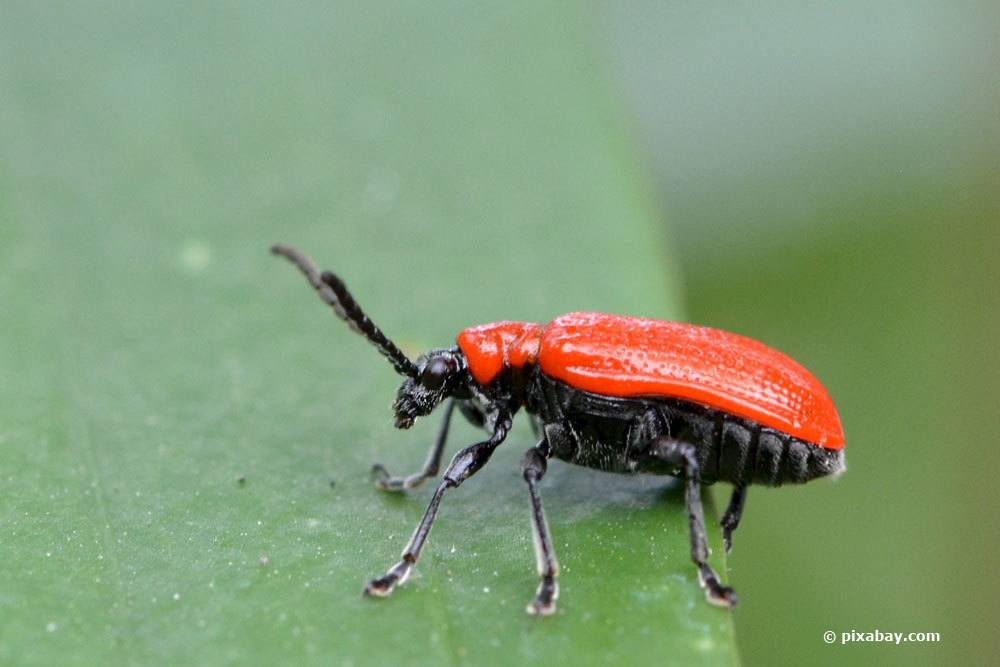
(195, 256)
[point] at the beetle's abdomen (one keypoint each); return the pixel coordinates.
(489, 348)
(631, 357)
(618, 434)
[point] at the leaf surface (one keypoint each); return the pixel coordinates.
(187, 432)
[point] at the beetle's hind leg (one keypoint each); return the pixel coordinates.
(387, 482)
(731, 519)
(533, 467)
(682, 455)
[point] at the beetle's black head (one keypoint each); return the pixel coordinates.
(441, 373)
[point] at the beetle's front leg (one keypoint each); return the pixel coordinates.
(465, 464)
(682, 455)
(387, 482)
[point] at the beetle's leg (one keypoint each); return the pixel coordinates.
(533, 467)
(387, 482)
(465, 464)
(682, 455)
(731, 519)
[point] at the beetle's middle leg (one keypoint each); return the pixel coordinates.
(533, 466)
(387, 482)
(465, 464)
(683, 456)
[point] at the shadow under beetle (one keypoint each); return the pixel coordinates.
(614, 393)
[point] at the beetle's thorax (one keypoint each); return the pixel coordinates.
(491, 349)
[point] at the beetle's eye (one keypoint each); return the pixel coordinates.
(435, 373)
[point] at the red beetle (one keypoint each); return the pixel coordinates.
(620, 394)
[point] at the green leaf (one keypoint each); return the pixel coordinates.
(456, 166)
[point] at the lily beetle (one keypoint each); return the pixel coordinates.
(619, 394)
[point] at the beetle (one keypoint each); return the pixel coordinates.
(614, 393)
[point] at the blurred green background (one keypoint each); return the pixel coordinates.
(832, 175)
(825, 179)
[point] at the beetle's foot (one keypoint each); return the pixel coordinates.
(727, 533)
(731, 519)
(381, 588)
(716, 593)
(544, 603)
(721, 596)
(380, 474)
(386, 482)
(397, 576)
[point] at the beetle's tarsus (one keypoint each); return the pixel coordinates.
(387, 482)
(384, 586)
(731, 519)
(544, 603)
(716, 593)
(397, 484)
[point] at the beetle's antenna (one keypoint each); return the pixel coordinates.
(333, 291)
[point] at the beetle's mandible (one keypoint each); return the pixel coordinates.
(620, 394)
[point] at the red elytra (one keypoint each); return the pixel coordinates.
(615, 355)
